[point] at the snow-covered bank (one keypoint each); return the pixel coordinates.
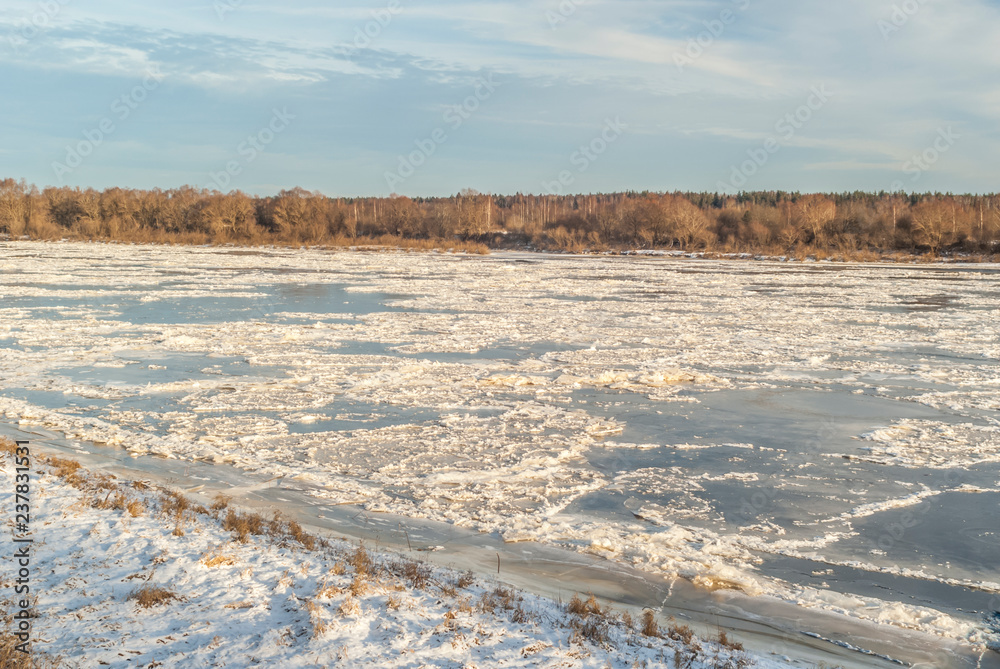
(128, 575)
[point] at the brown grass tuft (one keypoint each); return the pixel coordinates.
(135, 508)
(417, 574)
(68, 470)
(218, 560)
(359, 586)
(316, 618)
(349, 607)
(173, 503)
(593, 630)
(244, 524)
(7, 446)
(296, 532)
(679, 632)
(12, 658)
(726, 642)
(585, 608)
(240, 605)
(220, 502)
(500, 597)
(649, 626)
(118, 500)
(148, 596)
(362, 561)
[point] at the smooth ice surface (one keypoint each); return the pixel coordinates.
(828, 435)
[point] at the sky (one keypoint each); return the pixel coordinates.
(428, 97)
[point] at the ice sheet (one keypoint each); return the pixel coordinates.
(689, 417)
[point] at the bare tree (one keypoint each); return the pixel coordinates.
(933, 222)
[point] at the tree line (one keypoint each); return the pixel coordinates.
(771, 222)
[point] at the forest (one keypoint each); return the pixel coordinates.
(856, 225)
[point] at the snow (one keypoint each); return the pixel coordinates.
(271, 601)
(457, 390)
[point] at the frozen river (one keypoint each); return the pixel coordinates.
(825, 434)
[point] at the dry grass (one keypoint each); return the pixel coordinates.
(7, 446)
(247, 524)
(10, 656)
(119, 501)
(326, 590)
(216, 559)
(316, 618)
(359, 586)
(220, 503)
(362, 561)
(726, 642)
(500, 597)
(417, 574)
(173, 504)
(349, 607)
(244, 524)
(685, 657)
(240, 605)
(585, 608)
(135, 507)
(593, 630)
(649, 626)
(296, 532)
(148, 596)
(69, 470)
(591, 621)
(678, 632)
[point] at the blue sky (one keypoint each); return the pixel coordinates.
(262, 96)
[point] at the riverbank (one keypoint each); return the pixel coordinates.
(498, 244)
(771, 631)
(126, 572)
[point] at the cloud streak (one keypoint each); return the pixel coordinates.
(361, 107)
